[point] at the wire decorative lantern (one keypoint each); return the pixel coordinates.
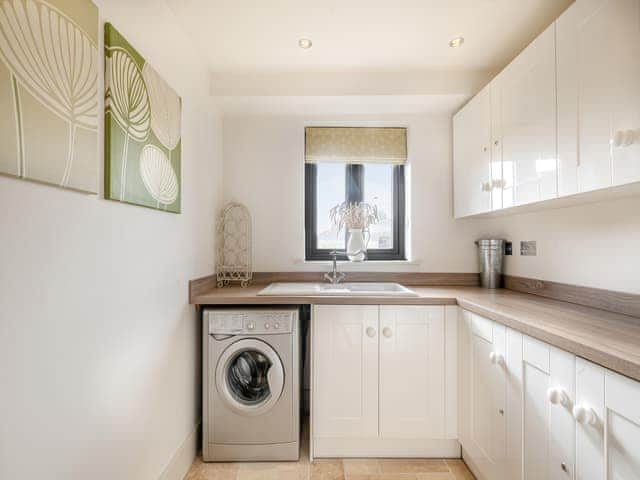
(233, 262)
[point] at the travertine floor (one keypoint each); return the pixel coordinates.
(332, 469)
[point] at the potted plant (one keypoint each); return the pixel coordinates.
(356, 217)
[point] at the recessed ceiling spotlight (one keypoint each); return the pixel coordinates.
(456, 42)
(305, 43)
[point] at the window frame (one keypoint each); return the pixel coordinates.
(354, 179)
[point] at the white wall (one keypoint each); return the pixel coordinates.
(99, 349)
(594, 245)
(264, 169)
(591, 245)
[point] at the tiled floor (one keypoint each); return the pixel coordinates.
(332, 469)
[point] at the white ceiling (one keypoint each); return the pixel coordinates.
(362, 35)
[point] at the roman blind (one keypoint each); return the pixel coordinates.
(356, 145)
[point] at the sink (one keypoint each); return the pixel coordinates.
(347, 289)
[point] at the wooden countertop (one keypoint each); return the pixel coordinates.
(608, 339)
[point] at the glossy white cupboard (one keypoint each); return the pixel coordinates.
(379, 385)
(598, 58)
(564, 417)
(564, 115)
(472, 149)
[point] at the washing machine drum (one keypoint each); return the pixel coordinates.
(250, 377)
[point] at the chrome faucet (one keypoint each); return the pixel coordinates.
(335, 276)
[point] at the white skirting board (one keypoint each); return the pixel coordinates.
(386, 447)
(181, 462)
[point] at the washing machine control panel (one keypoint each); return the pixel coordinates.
(248, 323)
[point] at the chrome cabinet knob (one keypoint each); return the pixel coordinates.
(371, 332)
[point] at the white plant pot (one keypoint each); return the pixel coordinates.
(356, 246)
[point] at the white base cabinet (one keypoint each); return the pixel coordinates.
(379, 386)
(531, 411)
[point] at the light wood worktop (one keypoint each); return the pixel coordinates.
(609, 339)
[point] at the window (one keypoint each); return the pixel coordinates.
(330, 180)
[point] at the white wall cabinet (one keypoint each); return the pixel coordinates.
(565, 114)
(525, 106)
(598, 57)
(472, 151)
(379, 386)
(564, 417)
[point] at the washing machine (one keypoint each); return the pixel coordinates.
(251, 384)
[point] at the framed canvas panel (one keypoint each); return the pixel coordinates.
(142, 129)
(49, 92)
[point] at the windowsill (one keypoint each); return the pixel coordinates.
(356, 265)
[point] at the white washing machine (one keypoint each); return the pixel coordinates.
(251, 384)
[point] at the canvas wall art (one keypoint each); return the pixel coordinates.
(49, 92)
(142, 130)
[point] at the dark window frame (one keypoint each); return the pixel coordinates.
(354, 193)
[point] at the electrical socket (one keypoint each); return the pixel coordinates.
(528, 248)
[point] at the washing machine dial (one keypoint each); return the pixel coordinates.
(267, 326)
(251, 326)
(276, 325)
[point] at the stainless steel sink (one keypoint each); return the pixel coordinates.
(347, 289)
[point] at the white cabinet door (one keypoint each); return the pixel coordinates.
(607, 416)
(548, 384)
(412, 384)
(486, 443)
(524, 117)
(345, 366)
(598, 47)
(472, 156)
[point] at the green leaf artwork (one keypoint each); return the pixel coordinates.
(142, 129)
(49, 92)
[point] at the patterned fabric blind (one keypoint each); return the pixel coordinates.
(356, 145)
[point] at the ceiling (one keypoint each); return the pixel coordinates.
(261, 36)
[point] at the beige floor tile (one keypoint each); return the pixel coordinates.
(435, 476)
(361, 466)
(391, 476)
(459, 469)
(408, 465)
(326, 469)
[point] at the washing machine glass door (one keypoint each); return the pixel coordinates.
(250, 377)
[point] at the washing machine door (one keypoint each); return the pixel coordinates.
(250, 377)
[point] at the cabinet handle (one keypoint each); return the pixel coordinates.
(485, 186)
(496, 358)
(496, 143)
(371, 332)
(485, 149)
(584, 415)
(557, 396)
(563, 466)
(386, 331)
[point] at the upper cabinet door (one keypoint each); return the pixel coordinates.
(412, 384)
(524, 124)
(472, 156)
(345, 371)
(598, 52)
